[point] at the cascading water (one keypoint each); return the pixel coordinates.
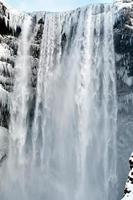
(21, 94)
(72, 144)
(18, 125)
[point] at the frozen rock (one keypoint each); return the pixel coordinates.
(129, 184)
(3, 143)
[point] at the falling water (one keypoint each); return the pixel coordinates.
(18, 122)
(21, 94)
(72, 144)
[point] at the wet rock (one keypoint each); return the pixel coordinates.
(39, 34)
(63, 41)
(41, 21)
(4, 29)
(2, 9)
(3, 143)
(35, 50)
(123, 43)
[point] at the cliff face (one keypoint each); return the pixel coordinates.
(123, 41)
(8, 52)
(10, 28)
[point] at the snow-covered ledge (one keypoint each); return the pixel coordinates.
(123, 4)
(11, 17)
(129, 184)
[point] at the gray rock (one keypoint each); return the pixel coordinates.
(3, 143)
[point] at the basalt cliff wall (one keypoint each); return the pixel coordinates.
(10, 29)
(123, 43)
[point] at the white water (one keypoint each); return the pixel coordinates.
(72, 144)
(19, 107)
(18, 123)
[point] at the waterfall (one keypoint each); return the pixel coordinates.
(72, 142)
(21, 94)
(19, 110)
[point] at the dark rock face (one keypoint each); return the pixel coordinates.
(5, 29)
(123, 42)
(38, 27)
(63, 41)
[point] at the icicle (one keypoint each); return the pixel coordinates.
(4, 97)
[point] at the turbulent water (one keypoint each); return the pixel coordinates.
(68, 152)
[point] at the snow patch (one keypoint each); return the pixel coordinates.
(13, 18)
(5, 52)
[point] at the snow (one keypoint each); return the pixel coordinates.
(4, 2)
(16, 17)
(39, 15)
(5, 80)
(131, 157)
(128, 26)
(120, 5)
(5, 52)
(124, 5)
(129, 183)
(7, 68)
(129, 196)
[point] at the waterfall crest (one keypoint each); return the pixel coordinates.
(69, 153)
